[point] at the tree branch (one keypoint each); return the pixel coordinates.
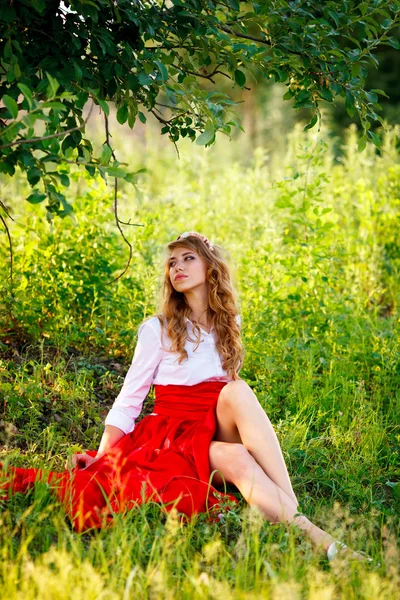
(117, 220)
(161, 120)
(10, 244)
(49, 137)
(245, 36)
(253, 38)
(3, 206)
(41, 139)
(209, 75)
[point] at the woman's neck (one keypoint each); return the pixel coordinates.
(201, 317)
(198, 305)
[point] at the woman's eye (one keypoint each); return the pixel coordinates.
(172, 264)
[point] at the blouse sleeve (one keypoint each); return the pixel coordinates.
(129, 402)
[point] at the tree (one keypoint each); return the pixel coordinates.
(149, 56)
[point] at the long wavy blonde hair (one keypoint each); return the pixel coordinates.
(222, 310)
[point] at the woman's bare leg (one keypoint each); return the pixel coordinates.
(241, 419)
(237, 465)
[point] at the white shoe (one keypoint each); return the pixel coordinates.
(336, 547)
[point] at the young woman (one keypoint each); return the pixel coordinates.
(207, 424)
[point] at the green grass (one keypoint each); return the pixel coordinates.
(315, 252)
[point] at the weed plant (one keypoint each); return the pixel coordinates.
(314, 245)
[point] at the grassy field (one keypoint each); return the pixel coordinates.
(313, 241)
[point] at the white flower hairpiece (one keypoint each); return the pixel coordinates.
(199, 235)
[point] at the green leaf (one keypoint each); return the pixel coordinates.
(6, 167)
(105, 155)
(162, 70)
(11, 106)
(122, 114)
(131, 119)
(380, 92)
(355, 69)
(394, 42)
(395, 486)
(312, 122)
(7, 49)
(115, 172)
(372, 97)
(145, 79)
(34, 174)
(56, 106)
(67, 208)
(240, 77)
(349, 104)
(7, 13)
(354, 55)
(39, 5)
(207, 136)
(78, 71)
(131, 178)
(30, 119)
(326, 94)
(283, 203)
(104, 106)
(362, 142)
(27, 93)
(68, 142)
(17, 70)
(36, 197)
(142, 117)
(52, 87)
(375, 138)
(90, 170)
(64, 179)
(279, 74)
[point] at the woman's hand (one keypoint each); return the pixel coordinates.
(111, 436)
(83, 460)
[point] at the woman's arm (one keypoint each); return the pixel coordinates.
(147, 357)
(128, 404)
(110, 437)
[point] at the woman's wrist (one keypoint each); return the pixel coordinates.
(111, 436)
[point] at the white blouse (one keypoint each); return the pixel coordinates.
(153, 364)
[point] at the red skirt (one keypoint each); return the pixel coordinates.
(165, 459)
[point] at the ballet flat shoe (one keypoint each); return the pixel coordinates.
(337, 547)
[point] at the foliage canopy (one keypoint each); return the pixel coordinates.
(154, 57)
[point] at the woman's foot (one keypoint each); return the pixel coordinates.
(338, 549)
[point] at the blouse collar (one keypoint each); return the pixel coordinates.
(207, 333)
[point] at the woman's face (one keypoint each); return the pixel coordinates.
(187, 270)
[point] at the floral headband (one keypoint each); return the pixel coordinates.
(199, 235)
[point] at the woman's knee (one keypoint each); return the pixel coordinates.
(232, 460)
(232, 391)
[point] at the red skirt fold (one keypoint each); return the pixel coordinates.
(165, 459)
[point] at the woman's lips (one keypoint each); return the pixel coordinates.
(178, 277)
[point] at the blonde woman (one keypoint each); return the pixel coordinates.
(207, 424)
